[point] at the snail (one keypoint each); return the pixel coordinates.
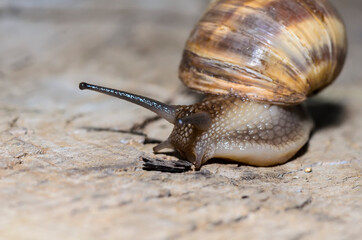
(257, 61)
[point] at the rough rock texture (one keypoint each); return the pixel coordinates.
(78, 165)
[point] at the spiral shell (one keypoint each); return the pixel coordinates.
(277, 51)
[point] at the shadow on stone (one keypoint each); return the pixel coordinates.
(325, 114)
(300, 153)
(223, 161)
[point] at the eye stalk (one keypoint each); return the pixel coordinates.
(163, 110)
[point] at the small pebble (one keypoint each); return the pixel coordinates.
(19, 131)
(308, 170)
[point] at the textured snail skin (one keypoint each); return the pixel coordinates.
(276, 51)
(240, 130)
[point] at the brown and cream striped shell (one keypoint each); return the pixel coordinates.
(277, 51)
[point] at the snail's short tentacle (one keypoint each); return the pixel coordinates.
(200, 120)
(199, 158)
(163, 145)
(163, 110)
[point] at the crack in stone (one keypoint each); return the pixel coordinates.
(300, 236)
(19, 149)
(147, 140)
(137, 128)
(70, 120)
(13, 164)
(335, 163)
(13, 122)
(165, 193)
(22, 155)
(300, 206)
(281, 175)
(115, 130)
(236, 219)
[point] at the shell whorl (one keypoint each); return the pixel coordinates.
(277, 51)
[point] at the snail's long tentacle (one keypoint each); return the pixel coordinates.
(163, 110)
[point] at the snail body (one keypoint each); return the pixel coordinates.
(241, 130)
(228, 127)
(257, 61)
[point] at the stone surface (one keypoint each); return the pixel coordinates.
(78, 165)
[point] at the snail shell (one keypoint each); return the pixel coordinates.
(276, 51)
